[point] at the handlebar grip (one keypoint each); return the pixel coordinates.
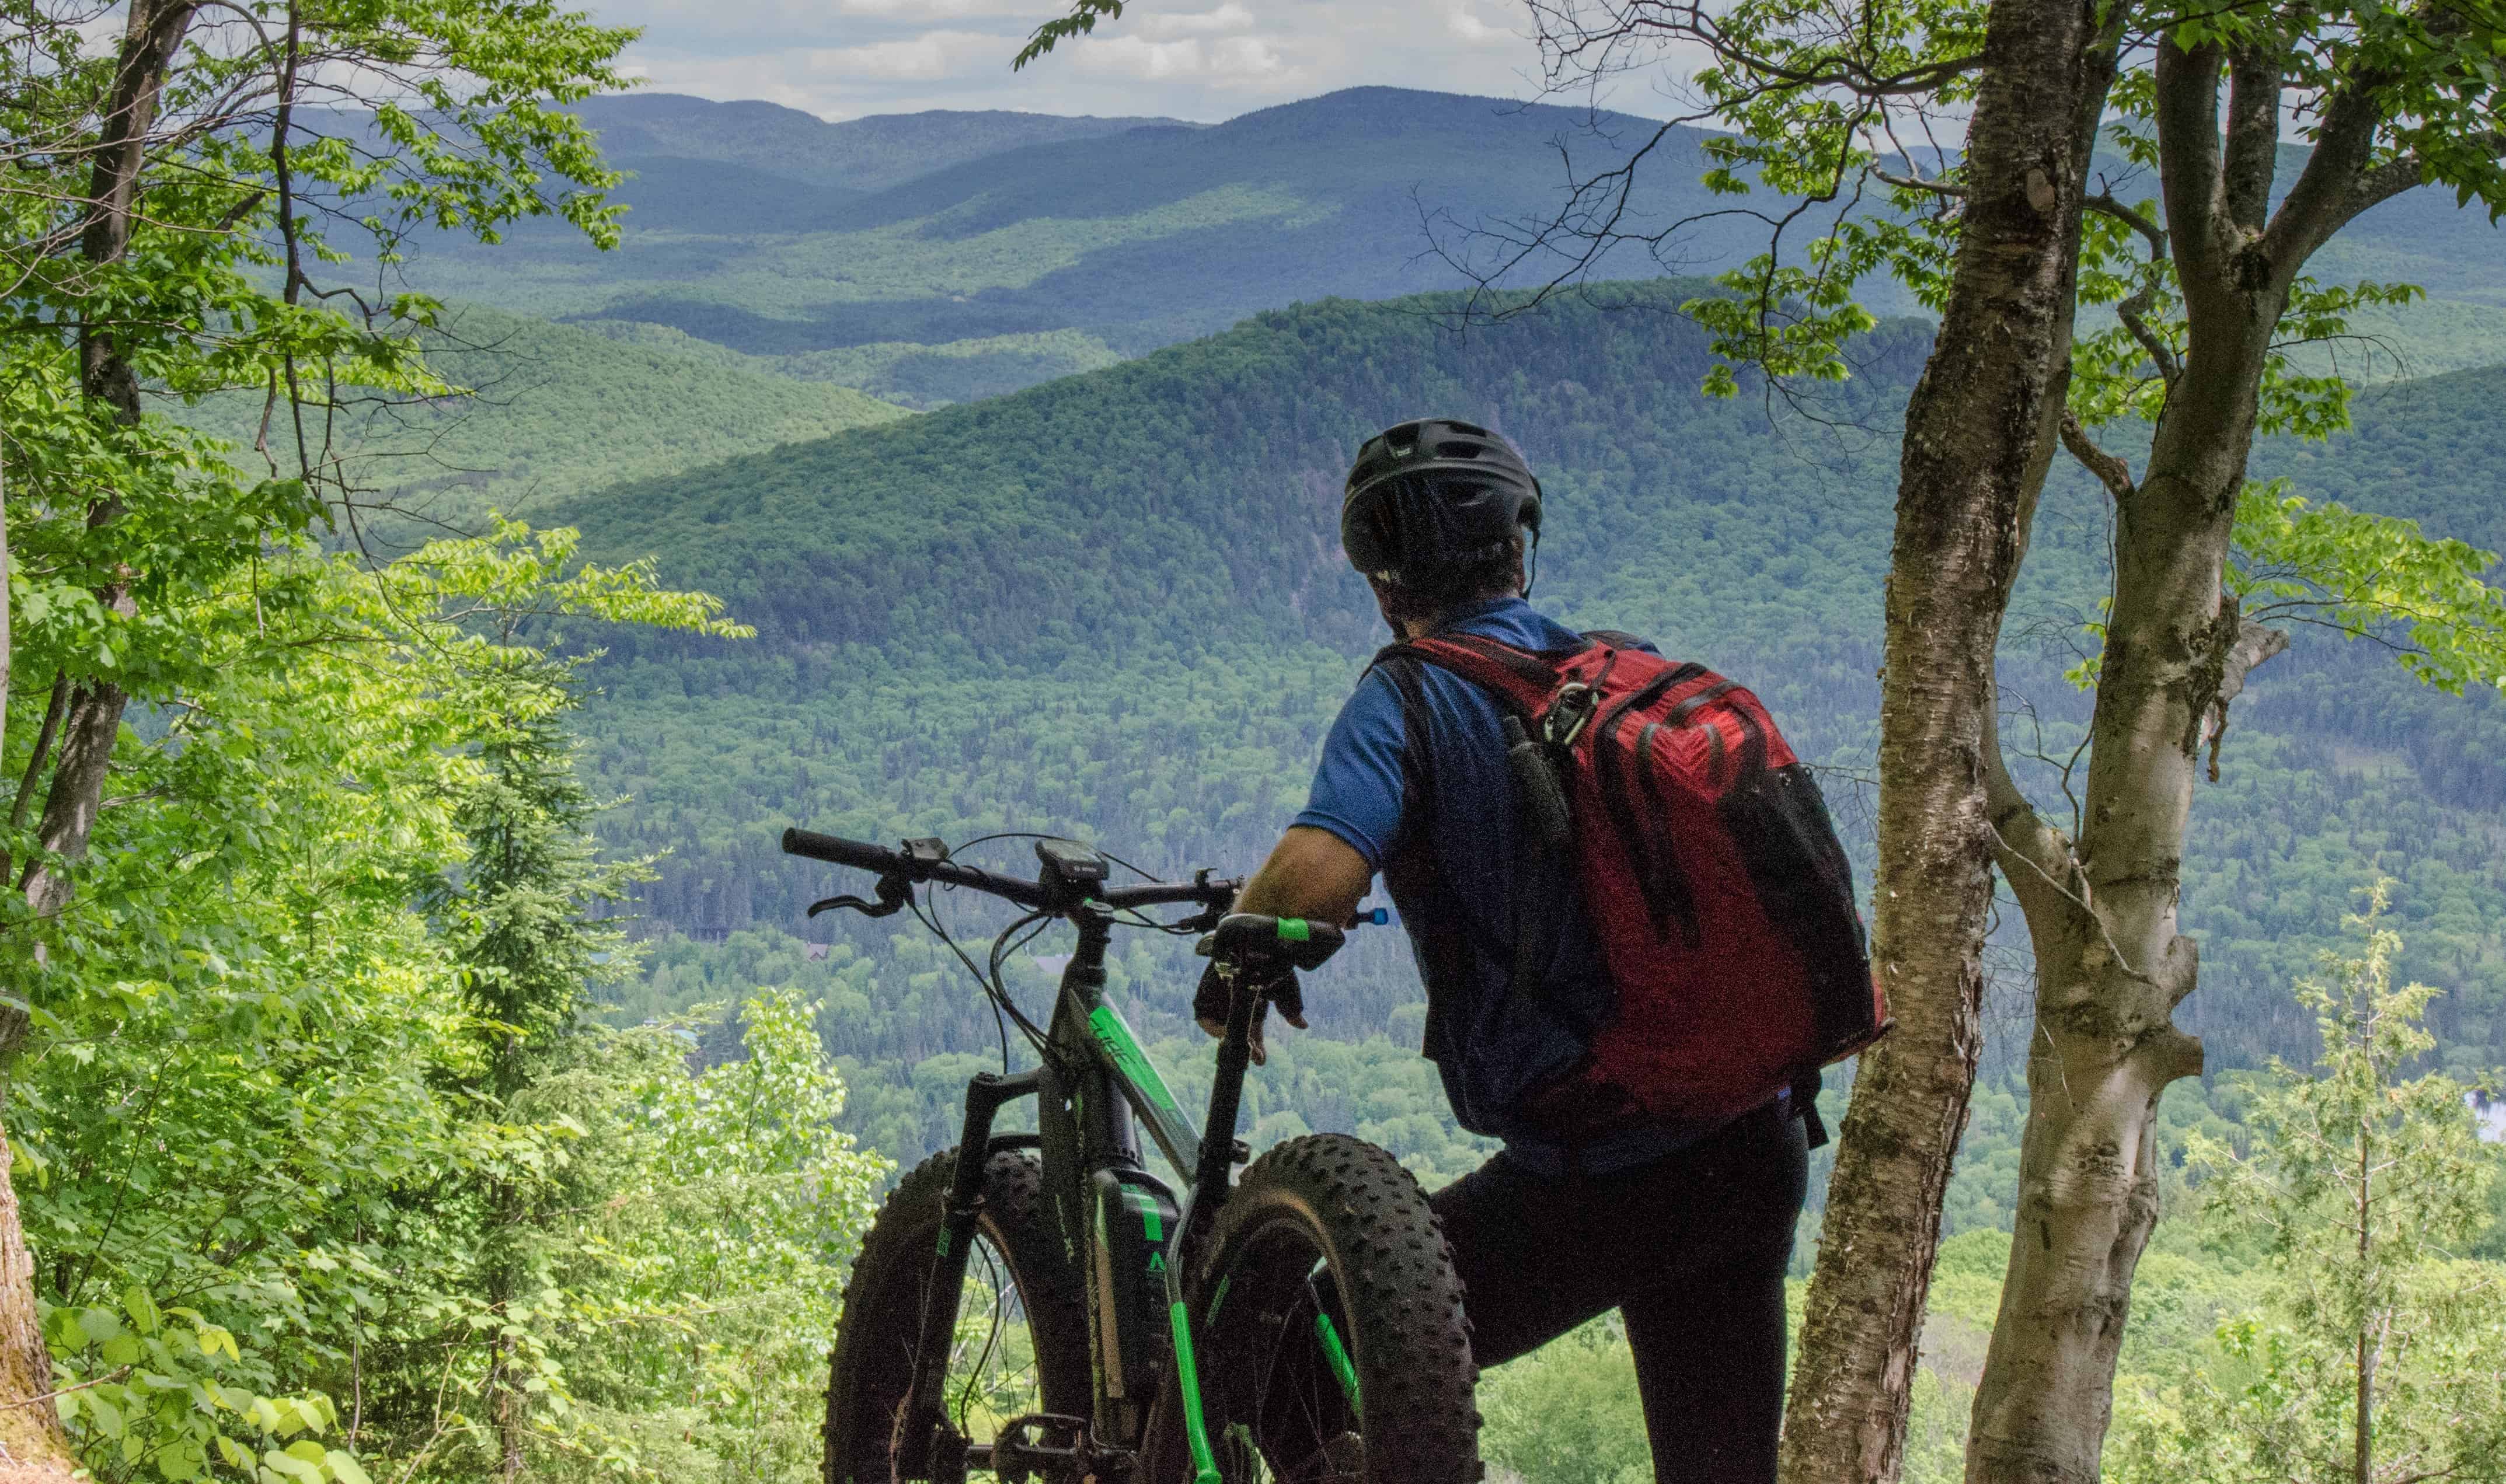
(1303, 942)
(860, 854)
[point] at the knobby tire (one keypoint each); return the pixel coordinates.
(872, 1364)
(1334, 1225)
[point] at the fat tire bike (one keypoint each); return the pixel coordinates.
(1047, 1309)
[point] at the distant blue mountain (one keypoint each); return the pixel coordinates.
(776, 234)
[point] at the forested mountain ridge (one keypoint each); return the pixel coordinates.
(1033, 253)
(1113, 605)
(867, 154)
(546, 412)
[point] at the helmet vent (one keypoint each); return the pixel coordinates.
(1460, 450)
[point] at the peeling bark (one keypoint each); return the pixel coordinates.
(1980, 433)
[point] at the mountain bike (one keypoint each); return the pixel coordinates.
(1043, 1307)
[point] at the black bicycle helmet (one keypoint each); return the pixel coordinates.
(1434, 493)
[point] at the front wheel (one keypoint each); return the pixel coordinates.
(1329, 1328)
(1019, 1345)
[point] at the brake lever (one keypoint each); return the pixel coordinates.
(894, 892)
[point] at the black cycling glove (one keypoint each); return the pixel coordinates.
(1272, 978)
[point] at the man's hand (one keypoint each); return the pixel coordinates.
(1310, 874)
(1275, 981)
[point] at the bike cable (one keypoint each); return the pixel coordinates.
(926, 911)
(1037, 835)
(1002, 948)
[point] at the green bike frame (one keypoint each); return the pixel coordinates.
(1123, 1227)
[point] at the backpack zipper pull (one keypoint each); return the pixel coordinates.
(1571, 706)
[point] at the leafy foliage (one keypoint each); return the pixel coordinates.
(263, 1135)
(2376, 1355)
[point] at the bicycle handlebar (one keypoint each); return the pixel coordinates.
(840, 852)
(862, 855)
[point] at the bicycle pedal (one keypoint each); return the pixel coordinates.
(1016, 1455)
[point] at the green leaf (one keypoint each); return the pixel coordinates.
(142, 1309)
(346, 1469)
(99, 1324)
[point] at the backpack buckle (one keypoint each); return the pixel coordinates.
(1562, 720)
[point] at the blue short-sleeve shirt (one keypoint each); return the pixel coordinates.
(1414, 778)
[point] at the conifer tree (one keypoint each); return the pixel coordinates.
(533, 947)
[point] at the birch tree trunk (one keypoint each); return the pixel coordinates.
(2101, 912)
(2110, 966)
(1979, 433)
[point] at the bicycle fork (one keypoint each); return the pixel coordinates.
(926, 1408)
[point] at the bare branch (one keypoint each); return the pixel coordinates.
(2104, 204)
(2039, 852)
(2254, 644)
(2131, 312)
(1917, 182)
(2111, 471)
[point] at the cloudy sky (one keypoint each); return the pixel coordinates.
(1199, 59)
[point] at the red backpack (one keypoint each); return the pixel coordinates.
(1708, 866)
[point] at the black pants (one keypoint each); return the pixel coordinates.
(1691, 1249)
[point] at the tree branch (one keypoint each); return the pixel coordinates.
(2254, 88)
(2111, 471)
(2325, 195)
(2254, 644)
(2034, 856)
(2104, 204)
(1917, 182)
(2187, 114)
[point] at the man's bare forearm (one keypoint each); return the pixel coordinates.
(1310, 874)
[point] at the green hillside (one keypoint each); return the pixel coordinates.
(557, 410)
(1113, 605)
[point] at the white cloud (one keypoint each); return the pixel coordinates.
(1200, 59)
(931, 56)
(1471, 28)
(1230, 16)
(1243, 58)
(951, 10)
(1228, 61)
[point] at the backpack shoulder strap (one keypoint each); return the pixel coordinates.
(1521, 678)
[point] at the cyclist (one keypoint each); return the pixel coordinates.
(1686, 1231)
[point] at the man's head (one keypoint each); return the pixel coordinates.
(1435, 514)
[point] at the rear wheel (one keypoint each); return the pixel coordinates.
(1328, 1331)
(1020, 1343)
